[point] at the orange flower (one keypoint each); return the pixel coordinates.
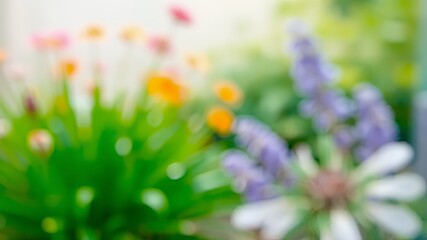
(228, 92)
(94, 33)
(132, 34)
(68, 67)
(221, 120)
(2, 56)
(166, 88)
(198, 62)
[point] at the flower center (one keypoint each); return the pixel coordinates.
(330, 188)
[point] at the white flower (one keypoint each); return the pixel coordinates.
(333, 188)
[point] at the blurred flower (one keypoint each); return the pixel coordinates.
(166, 88)
(328, 108)
(375, 125)
(248, 178)
(198, 62)
(93, 33)
(313, 77)
(159, 44)
(132, 34)
(263, 144)
(344, 137)
(40, 141)
(68, 67)
(5, 127)
(30, 104)
(228, 92)
(310, 70)
(370, 192)
(180, 15)
(15, 71)
(2, 56)
(257, 173)
(221, 120)
(51, 41)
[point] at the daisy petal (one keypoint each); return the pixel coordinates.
(254, 215)
(306, 161)
(389, 158)
(403, 187)
(276, 228)
(343, 226)
(396, 219)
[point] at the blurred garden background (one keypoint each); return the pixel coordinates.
(238, 58)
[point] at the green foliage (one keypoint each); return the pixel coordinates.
(118, 172)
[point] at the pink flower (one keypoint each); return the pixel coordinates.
(15, 72)
(159, 44)
(50, 41)
(180, 15)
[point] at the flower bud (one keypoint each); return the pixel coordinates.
(30, 104)
(40, 141)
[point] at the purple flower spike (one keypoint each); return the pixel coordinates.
(263, 144)
(330, 108)
(313, 77)
(344, 137)
(375, 126)
(248, 178)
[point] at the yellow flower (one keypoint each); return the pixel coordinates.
(166, 89)
(68, 67)
(2, 56)
(132, 34)
(198, 62)
(221, 120)
(228, 92)
(93, 33)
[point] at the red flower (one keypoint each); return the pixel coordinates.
(180, 15)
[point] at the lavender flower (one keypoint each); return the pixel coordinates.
(344, 137)
(375, 125)
(310, 70)
(265, 163)
(248, 178)
(263, 144)
(329, 108)
(313, 77)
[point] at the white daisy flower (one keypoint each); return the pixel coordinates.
(349, 198)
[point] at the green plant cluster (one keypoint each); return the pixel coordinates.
(139, 173)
